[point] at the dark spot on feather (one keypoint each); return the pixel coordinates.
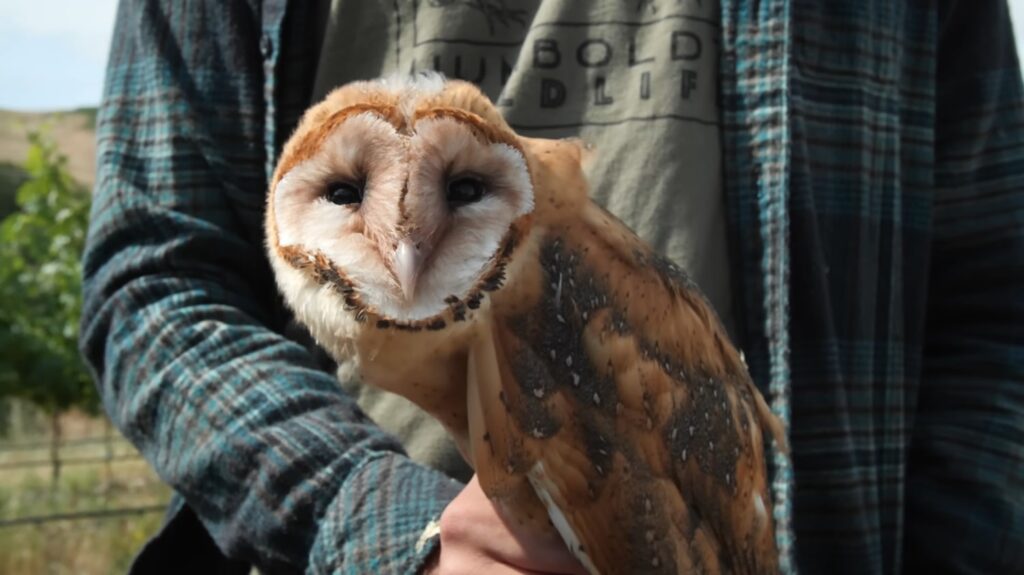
(595, 436)
(535, 383)
(458, 310)
(383, 323)
(692, 432)
(436, 324)
(554, 330)
(511, 241)
(495, 279)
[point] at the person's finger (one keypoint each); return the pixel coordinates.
(476, 522)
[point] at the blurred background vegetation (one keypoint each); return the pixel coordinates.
(75, 497)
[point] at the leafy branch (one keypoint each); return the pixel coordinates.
(41, 245)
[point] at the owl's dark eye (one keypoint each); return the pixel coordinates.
(344, 193)
(463, 191)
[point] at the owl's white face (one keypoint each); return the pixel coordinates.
(409, 215)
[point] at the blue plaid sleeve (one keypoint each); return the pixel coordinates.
(180, 327)
(965, 484)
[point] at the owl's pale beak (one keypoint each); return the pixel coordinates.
(408, 260)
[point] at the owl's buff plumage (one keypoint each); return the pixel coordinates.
(584, 377)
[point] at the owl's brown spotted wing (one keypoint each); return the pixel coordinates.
(616, 394)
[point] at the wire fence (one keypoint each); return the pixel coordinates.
(45, 443)
(14, 465)
(115, 449)
(99, 450)
(81, 515)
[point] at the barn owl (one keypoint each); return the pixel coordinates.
(583, 376)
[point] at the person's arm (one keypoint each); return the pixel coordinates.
(965, 480)
(279, 465)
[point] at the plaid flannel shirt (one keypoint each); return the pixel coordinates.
(874, 173)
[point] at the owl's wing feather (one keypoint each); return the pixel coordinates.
(628, 410)
(496, 443)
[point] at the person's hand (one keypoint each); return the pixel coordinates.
(476, 539)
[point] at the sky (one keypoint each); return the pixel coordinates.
(52, 52)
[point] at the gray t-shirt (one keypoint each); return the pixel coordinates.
(637, 79)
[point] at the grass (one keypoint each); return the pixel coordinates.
(84, 546)
(80, 547)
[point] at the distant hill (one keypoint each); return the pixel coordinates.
(73, 130)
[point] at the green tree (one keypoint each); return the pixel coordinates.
(11, 178)
(41, 245)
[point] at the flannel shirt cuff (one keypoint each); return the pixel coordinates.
(376, 523)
